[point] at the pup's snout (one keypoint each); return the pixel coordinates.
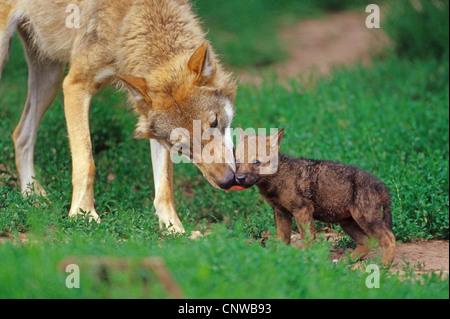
(228, 181)
(246, 180)
(240, 178)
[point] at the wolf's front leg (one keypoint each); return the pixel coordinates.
(163, 177)
(77, 98)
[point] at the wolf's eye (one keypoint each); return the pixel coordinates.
(256, 162)
(214, 124)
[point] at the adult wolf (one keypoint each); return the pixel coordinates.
(155, 49)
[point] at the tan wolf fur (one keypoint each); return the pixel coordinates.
(156, 49)
(308, 190)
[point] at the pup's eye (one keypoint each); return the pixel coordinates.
(256, 162)
(214, 124)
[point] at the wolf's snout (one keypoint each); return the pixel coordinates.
(240, 178)
(228, 181)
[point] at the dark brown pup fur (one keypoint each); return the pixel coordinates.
(309, 190)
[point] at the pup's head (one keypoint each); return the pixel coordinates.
(256, 156)
(187, 104)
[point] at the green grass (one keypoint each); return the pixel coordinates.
(221, 266)
(419, 29)
(391, 119)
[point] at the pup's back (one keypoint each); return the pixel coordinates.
(335, 189)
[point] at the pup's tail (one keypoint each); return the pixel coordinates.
(386, 203)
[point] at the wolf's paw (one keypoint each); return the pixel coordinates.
(195, 235)
(91, 215)
(34, 189)
(170, 226)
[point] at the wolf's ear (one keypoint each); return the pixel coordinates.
(202, 64)
(138, 89)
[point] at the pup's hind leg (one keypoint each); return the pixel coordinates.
(386, 240)
(374, 225)
(350, 226)
(44, 81)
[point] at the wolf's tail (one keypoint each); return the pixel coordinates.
(8, 22)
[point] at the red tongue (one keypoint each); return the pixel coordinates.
(236, 188)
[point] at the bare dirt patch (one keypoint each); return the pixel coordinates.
(423, 256)
(427, 256)
(7, 237)
(315, 46)
(2, 169)
(4, 174)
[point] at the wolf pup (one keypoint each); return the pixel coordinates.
(309, 190)
(156, 49)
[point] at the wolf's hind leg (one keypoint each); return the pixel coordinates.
(9, 18)
(44, 80)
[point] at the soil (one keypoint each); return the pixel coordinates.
(5, 175)
(425, 256)
(316, 46)
(422, 256)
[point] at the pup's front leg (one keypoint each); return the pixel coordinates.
(163, 177)
(77, 99)
(283, 222)
(304, 219)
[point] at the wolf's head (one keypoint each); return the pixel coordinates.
(187, 104)
(256, 156)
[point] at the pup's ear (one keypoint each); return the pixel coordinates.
(275, 139)
(241, 133)
(202, 64)
(280, 136)
(139, 91)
